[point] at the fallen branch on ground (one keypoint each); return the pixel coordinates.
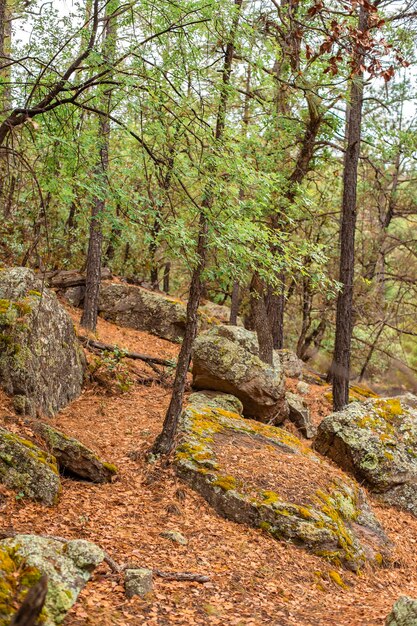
(105, 347)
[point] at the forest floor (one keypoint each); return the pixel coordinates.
(254, 579)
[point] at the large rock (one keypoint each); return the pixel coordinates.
(73, 457)
(27, 469)
(219, 312)
(376, 440)
(156, 313)
(404, 613)
(265, 477)
(291, 364)
(41, 361)
(299, 415)
(221, 362)
(24, 559)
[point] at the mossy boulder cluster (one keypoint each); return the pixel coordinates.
(27, 469)
(24, 559)
(294, 495)
(150, 311)
(41, 361)
(225, 360)
(376, 441)
(73, 457)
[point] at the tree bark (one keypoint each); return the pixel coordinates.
(234, 306)
(340, 368)
(261, 322)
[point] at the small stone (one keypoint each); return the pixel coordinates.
(175, 536)
(138, 582)
(404, 613)
(303, 388)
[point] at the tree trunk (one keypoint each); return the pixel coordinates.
(260, 318)
(94, 255)
(167, 271)
(340, 368)
(166, 440)
(234, 306)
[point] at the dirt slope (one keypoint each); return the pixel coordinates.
(254, 579)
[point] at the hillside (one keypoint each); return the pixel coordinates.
(253, 578)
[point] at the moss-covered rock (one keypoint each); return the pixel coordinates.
(404, 613)
(68, 566)
(265, 477)
(376, 440)
(223, 360)
(153, 312)
(41, 361)
(27, 469)
(74, 457)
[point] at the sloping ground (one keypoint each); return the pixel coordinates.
(255, 580)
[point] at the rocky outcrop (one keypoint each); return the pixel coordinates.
(299, 415)
(220, 312)
(263, 476)
(41, 361)
(291, 364)
(138, 308)
(223, 361)
(27, 469)
(24, 559)
(376, 440)
(404, 613)
(73, 457)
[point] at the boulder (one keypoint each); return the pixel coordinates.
(138, 308)
(41, 361)
(73, 457)
(219, 312)
(265, 477)
(299, 415)
(216, 399)
(138, 582)
(291, 364)
(227, 365)
(376, 440)
(175, 537)
(27, 469)
(404, 613)
(24, 559)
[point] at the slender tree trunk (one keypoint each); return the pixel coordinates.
(260, 318)
(166, 440)
(94, 255)
(340, 368)
(167, 272)
(5, 45)
(370, 353)
(234, 306)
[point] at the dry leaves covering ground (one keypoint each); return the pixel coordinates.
(254, 579)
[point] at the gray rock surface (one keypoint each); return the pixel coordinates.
(138, 582)
(376, 440)
(138, 308)
(175, 537)
(41, 361)
(27, 469)
(299, 415)
(74, 457)
(68, 567)
(223, 361)
(404, 613)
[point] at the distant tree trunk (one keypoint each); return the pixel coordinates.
(166, 440)
(340, 368)
(370, 353)
(167, 271)
(5, 44)
(94, 255)
(234, 306)
(153, 247)
(260, 318)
